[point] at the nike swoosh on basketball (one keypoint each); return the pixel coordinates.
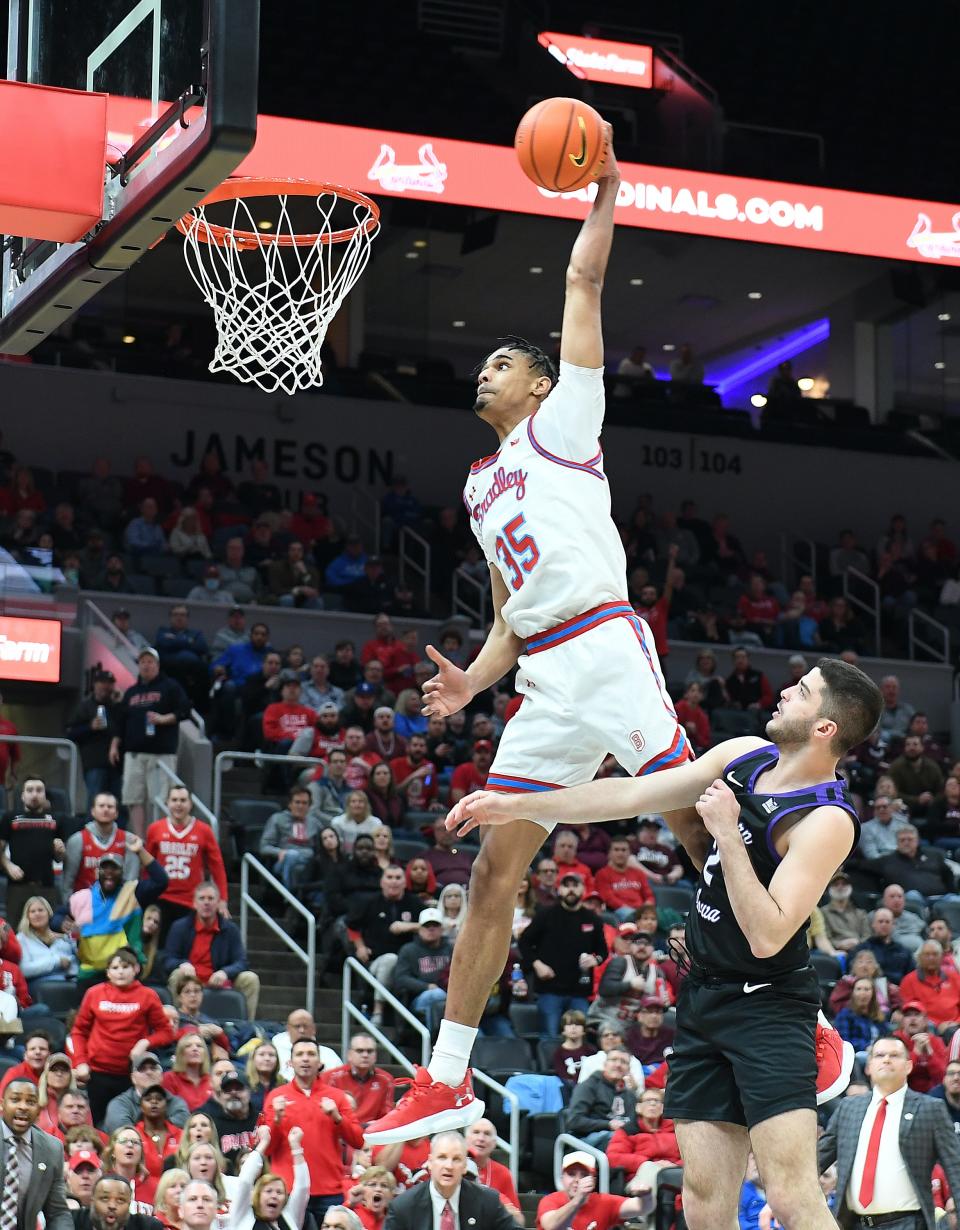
(579, 159)
(731, 778)
(750, 987)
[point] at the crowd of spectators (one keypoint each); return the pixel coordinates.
(232, 540)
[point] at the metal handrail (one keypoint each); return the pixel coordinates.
(350, 1012)
(198, 804)
(915, 640)
(461, 604)
(247, 903)
(109, 626)
(223, 763)
(581, 1146)
(873, 611)
(407, 560)
(72, 755)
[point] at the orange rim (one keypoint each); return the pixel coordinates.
(243, 187)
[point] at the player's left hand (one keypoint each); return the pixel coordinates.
(481, 807)
(718, 808)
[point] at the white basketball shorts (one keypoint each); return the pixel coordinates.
(591, 686)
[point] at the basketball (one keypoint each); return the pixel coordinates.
(562, 144)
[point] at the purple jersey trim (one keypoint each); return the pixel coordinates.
(820, 802)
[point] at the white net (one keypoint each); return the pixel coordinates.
(273, 294)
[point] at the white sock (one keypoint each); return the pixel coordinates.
(451, 1054)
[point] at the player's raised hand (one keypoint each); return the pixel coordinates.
(482, 807)
(718, 808)
(449, 690)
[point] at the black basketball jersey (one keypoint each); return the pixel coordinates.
(714, 939)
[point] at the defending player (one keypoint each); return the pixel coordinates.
(777, 824)
(589, 675)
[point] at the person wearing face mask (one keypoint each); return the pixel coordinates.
(846, 924)
(212, 589)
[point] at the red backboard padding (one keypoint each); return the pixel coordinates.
(52, 154)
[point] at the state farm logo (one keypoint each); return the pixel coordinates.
(427, 175)
(935, 244)
(23, 651)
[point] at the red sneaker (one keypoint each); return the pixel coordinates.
(427, 1107)
(834, 1061)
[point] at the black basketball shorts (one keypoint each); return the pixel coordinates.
(744, 1051)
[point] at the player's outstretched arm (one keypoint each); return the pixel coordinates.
(581, 339)
(452, 688)
(611, 799)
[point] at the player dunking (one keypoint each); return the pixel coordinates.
(777, 822)
(589, 674)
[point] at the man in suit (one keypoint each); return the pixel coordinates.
(886, 1146)
(31, 1165)
(447, 1202)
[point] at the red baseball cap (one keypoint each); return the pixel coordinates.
(913, 1005)
(84, 1157)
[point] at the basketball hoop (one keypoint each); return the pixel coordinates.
(274, 291)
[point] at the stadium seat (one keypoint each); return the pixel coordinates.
(733, 722)
(176, 587)
(248, 819)
(162, 993)
(59, 801)
(140, 583)
(544, 1130)
(53, 1026)
(948, 910)
(672, 897)
(60, 997)
(525, 1020)
(545, 1049)
(224, 1004)
(161, 565)
(409, 848)
(827, 967)
(504, 1054)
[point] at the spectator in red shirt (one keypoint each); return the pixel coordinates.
(399, 673)
(328, 1122)
(593, 845)
(747, 688)
(190, 1076)
(656, 610)
(579, 1206)
(371, 1196)
(360, 761)
(624, 888)
(309, 524)
(693, 717)
(117, 1021)
(370, 1087)
(644, 1153)
(928, 1054)
(759, 609)
(566, 845)
(415, 776)
(816, 607)
(472, 774)
(938, 991)
(481, 1142)
(382, 644)
(286, 718)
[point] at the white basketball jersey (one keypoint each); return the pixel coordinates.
(540, 508)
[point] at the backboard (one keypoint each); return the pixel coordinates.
(181, 80)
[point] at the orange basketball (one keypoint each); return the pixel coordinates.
(561, 144)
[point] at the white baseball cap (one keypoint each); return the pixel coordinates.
(430, 916)
(579, 1159)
